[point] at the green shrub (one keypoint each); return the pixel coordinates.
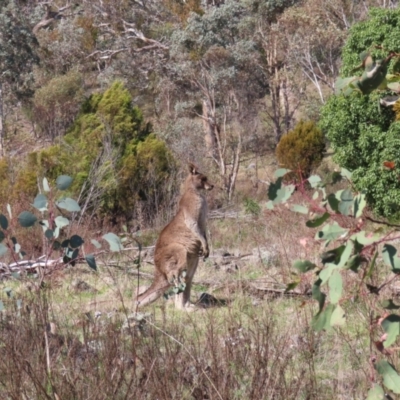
(56, 104)
(114, 157)
(302, 148)
(363, 134)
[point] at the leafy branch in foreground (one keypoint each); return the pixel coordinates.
(55, 218)
(339, 220)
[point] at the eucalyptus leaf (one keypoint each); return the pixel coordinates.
(68, 204)
(317, 294)
(359, 205)
(335, 284)
(389, 305)
(333, 202)
(391, 325)
(338, 317)
(27, 219)
(322, 321)
(9, 214)
(391, 258)
(63, 182)
(40, 202)
(326, 273)
(75, 241)
(3, 222)
(346, 202)
(46, 186)
(279, 173)
(331, 232)
(61, 221)
(91, 261)
(376, 393)
(314, 181)
(346, 173)
(49, 234)
(318, 221)
(391, 378)
(114, 241)
(346, 253)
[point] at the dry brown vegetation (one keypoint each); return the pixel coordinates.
(78, 335)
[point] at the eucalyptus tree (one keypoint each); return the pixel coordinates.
(214, 68)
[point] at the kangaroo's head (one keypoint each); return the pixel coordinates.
(197, 179)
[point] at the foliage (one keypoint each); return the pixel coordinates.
(110, 150)
(381, 28)
(364, 137)
(302, 148)
(56, 104)
(348, 267)
(18, 50)
(56, 218)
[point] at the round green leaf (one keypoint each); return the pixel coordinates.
(63, 182)
(61, 221)
(27, 219)
(68, 204)
(314, 180)
(75, 241)
(114, 241)
(3, 221)
(40, 202)
(2, 236)
(49, 234)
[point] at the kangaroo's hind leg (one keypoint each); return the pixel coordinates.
(182, 300)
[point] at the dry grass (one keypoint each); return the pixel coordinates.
(76, 337)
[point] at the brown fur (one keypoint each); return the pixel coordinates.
(181, 243)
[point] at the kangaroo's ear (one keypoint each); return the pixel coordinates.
(193, 169)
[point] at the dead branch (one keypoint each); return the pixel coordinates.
(49, 18)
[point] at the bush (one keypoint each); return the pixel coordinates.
(364, 136)
(115, 158)
(302, 148)
(56, 104)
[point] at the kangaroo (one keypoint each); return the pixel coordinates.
(181, 243)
